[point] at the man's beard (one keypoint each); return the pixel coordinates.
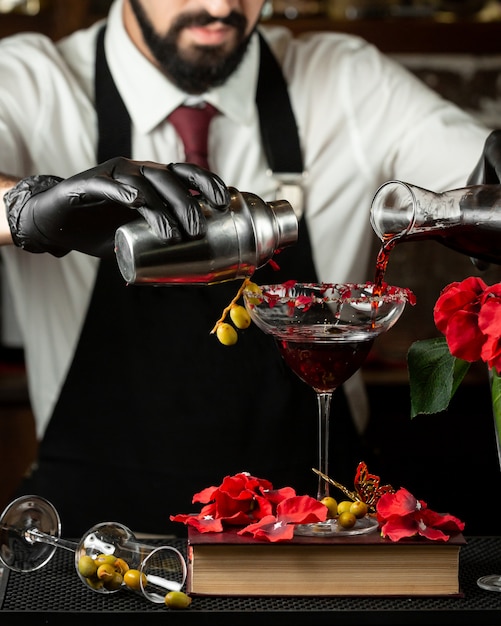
(202, 67)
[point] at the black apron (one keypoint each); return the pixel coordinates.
(154, 408)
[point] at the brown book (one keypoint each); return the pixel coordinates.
(227, 564)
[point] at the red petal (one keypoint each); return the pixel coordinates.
(277, 495)
(270, 529)
(227, 505)
(491, 353)
(400, 503)
(489, 318)
(301, 510)
(261, 506)
(238, 519)
(209, 510)
(202, 524)
(458, 297)
(464, 337)
(235, 485)
(444, 521)
(181, 517)
(397, 528)
(206, 495)
(432, 533)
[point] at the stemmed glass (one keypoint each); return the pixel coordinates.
(324, 333)
(108, 557)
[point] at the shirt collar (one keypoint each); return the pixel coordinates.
(150, 97)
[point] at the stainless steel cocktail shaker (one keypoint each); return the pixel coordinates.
(238, 241)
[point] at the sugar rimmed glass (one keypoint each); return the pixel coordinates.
(324, 332)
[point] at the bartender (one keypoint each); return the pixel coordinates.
(137, 405)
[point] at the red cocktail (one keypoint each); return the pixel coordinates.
(325, 332)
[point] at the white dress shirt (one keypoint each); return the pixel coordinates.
(362, 120)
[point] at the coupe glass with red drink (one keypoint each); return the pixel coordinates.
(324, 333)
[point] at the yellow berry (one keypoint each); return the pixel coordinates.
(105, 558)
(331, 505)
(346, 520)
(105, 572)
(343, 506)
(359, 509)
(239, 316)
(132, 577)
(87, 566)
(252, 287)
(226, 334)
(120, 566)
(177, 600)
(95, 583)
(115, 582)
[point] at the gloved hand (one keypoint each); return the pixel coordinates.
(487, 172)
(50, 214)
(488, 169)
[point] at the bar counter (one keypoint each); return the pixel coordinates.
(55, 595)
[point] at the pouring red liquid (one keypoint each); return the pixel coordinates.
(467, 220)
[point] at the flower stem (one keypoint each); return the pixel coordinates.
(495, 380)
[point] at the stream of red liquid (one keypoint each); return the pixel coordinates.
(382, 263)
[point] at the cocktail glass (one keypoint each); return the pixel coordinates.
(324, 333)
(30, 533)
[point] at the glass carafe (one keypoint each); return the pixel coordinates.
(467, 220)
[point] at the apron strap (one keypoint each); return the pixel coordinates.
(276, 116)
(113, 120)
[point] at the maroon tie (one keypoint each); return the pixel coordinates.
(192, 125)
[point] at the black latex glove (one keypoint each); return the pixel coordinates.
(55, 215)
(487, 172)
(488, 169)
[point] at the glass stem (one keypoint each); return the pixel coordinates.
(34, 535)
(324, 409)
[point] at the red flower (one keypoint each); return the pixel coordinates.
(401, 515)
(240, 499)
(243, 499)
(469, 315)
(489, 321)
(456, 315)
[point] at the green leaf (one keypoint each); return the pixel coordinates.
(434, 375)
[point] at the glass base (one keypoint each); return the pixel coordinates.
(18, 551)
(331, 528)
(490, 583)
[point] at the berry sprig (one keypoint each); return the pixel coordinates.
(225, 332)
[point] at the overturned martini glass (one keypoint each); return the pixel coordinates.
(108, 557)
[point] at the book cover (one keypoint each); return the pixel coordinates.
(363, 565)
